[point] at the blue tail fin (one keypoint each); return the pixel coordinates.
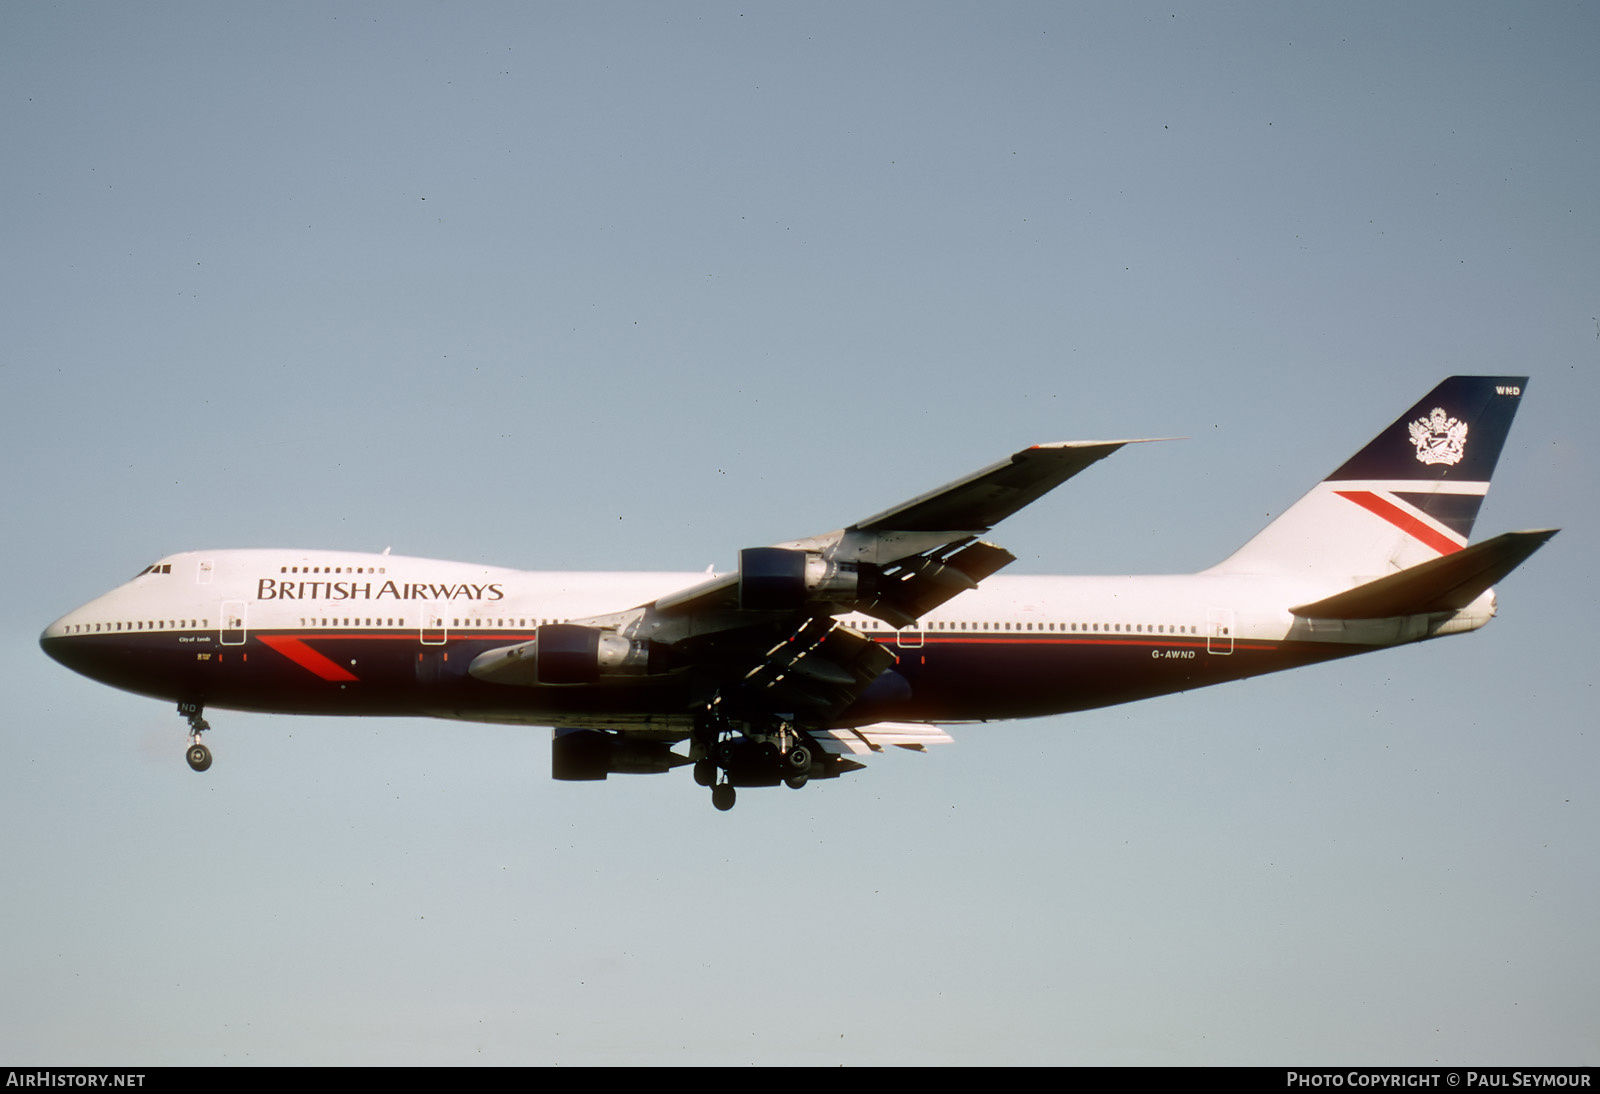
(1412, 494)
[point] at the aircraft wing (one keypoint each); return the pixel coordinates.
(918, 541)
(985, 498)
(764, 638)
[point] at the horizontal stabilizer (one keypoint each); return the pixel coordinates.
(1444, 584)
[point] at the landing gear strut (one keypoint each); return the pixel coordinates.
(198, 755)
(710, 768)
(751, 753)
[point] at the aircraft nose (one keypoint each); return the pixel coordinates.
(71, 642)
(117, 653)
(59, 648)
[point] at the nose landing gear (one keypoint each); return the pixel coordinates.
(198, 755)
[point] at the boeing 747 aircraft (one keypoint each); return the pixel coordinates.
(822, 649)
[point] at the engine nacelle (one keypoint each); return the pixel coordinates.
(780, 579)
(588, 755)
(572, 654)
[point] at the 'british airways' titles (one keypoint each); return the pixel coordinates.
(268, 588)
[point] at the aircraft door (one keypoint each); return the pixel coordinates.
(1219, 631)
(434, 630)
(233, 622)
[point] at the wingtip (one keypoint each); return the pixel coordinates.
(1102, 444)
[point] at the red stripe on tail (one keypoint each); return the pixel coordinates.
(1401, 519)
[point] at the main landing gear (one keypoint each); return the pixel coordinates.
(198, 755)
(748, 754)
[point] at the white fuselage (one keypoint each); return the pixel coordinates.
(1015, 646)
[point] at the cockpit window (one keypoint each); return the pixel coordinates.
(158, 568)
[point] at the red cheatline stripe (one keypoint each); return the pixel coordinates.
(1401, 520)
(1012, 638)
(306, 657)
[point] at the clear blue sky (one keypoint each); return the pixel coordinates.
(631, 286)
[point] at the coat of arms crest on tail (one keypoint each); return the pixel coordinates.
(1439, 438)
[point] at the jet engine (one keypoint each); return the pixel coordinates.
(572, 654)
(780, 579)
(569, 653)
(586, 755)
